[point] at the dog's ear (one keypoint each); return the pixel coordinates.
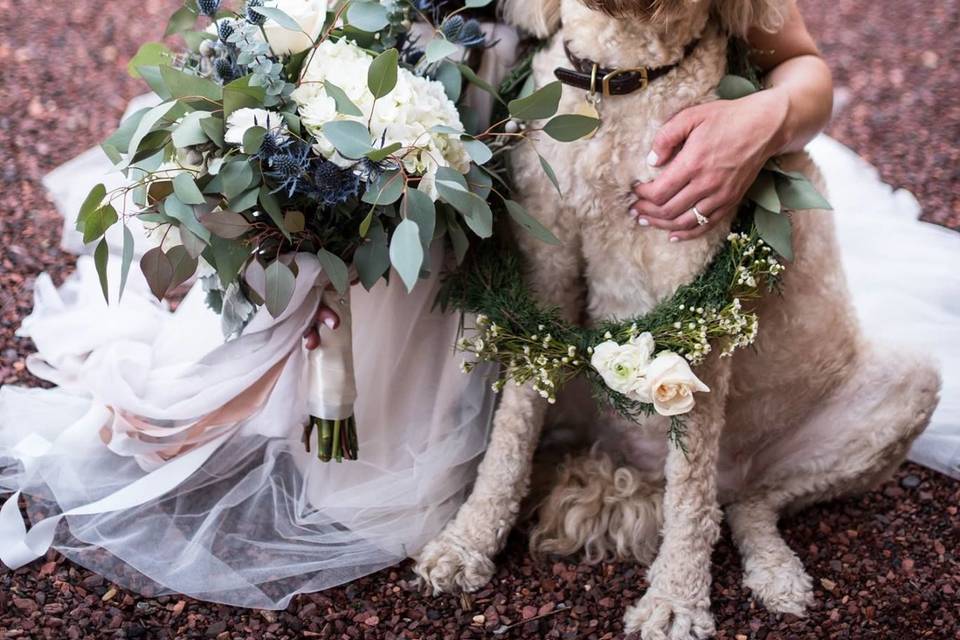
(539, 17)
(739, 16)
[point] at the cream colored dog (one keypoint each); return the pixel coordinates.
(813, 412)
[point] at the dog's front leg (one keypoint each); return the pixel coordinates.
(460, 558)
(676, 605)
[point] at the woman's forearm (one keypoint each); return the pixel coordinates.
(805, 89)
(800, 87)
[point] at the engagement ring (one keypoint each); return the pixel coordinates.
(701, 219)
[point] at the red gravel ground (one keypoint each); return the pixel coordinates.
(886, 565)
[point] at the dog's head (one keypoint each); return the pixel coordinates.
(542, 17)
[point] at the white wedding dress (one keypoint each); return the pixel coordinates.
(241, 514)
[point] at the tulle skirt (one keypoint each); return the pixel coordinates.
(248, 517)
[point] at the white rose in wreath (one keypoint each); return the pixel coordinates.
(670, 384)
(623, 367)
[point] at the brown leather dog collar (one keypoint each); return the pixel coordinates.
(590, 76)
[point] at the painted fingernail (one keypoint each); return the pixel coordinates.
(653, 159)
(674, 239)
(331, 324)
(643, 222)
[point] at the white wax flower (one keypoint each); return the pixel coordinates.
(406, 115)
(241, 120)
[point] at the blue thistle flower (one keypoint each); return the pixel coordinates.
(252, 16)
(466, 33)
(330, 185)
(289, 167)
(208, 7)
(226, 70)
(273, 143)
(225, 29)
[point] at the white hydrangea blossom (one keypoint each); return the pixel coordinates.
(406, 115)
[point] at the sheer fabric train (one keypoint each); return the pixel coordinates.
(252, 519)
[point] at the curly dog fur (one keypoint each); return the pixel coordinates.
(815, 411)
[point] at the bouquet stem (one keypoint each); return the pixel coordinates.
(336, 439)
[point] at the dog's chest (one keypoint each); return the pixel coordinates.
(628, 269)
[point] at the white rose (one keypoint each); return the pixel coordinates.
(242, 120)
(623, 367)
(670, 384)
(309, 14)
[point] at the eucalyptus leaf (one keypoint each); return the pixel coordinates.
(294, 221)
(253, 139)
(335, 269)
(763, 191)
(344, 104)
(240, 94)
(349, 137)
(149, 54)
(175, 208)
(126, 259)
(418, 206)
(92, 202)
(372, 258)
(214, 129)
(775, 229)
(158, 271)
(799, 193)
(270, 204)
(406, 252)
(439, 48)
(190, 130)
(100, 256)
(246, 200)
(381, 154)
(280, 284)
(540, 105)
(149, 120)
(191, 242)
(570, 127)
(367, 16)
(199, 92)
(97, 222)
(474, 79)
(548, 169)
(183, 18)
(385, 189)
(225, 224)
(479, 152)
(450, 77)
(530, 224)
(187, 190)
(732, 87)
(382, 74)
(280, 17)
(184, 265)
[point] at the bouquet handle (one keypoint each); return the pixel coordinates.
(332, 386)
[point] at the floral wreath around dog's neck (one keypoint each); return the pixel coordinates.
(639, 366)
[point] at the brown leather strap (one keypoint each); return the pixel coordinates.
(588, 76)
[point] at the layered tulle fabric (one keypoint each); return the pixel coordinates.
(237, 511)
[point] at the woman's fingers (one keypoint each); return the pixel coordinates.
(672, 135)
(679, 204)
(326, 316)
(698, 230)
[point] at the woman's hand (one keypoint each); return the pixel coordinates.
(711, 154)
(324, 315)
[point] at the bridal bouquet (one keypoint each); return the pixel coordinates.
(291, 127)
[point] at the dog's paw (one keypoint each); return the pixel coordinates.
(659, 617)
(447, 565)
(782, 585)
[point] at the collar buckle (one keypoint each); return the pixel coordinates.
(642, 71)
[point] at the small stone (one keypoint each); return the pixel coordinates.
(479, 619)
(25, 604)
(829, 585)
(528, 612)
(372, 621)
(910, 482)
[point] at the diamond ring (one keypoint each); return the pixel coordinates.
(701, 219)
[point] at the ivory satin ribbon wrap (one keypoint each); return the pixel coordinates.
(331, 382)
